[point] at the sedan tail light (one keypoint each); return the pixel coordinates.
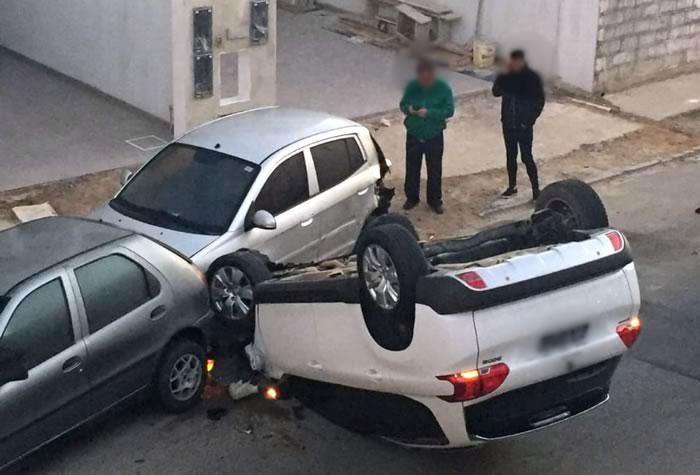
(474, 384)
(629, 331)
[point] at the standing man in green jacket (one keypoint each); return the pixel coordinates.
(427, 103)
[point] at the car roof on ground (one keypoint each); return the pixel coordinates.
(33, 247)
(257, 134)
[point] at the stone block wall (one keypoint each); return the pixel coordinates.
(639, 40)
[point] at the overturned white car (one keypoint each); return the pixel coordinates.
(451, 343)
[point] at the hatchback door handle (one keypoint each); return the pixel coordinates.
(363, 192)
(71, 364)
(307, 222)
(158, 312)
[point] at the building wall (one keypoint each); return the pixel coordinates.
(257, 64)
(639, 40)
(120, 47)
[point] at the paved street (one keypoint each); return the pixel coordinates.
(649, 427)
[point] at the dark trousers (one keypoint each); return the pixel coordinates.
(432, 149)
(520, 138)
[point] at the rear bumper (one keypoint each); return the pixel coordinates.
(541, 405)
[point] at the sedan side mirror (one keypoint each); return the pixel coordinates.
(11, 367)
(264, 220)
(126, 176)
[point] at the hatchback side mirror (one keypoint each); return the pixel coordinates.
(11, 367)
(126, 176)
(264, 220)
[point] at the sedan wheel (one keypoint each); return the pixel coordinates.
(185, 377)
(231, 292)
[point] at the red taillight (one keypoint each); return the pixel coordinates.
(616, 240)
(473, 280)
(629, 331)
(475, 383)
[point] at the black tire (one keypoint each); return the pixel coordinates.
(173, 355)
(577, 201)
(391, 327)
(254, 267)
(393, 218)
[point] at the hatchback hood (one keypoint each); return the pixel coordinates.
(186, 243)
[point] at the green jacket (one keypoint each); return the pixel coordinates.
(439, 101)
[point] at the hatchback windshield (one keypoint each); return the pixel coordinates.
(188, 189)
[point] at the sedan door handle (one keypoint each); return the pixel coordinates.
(307, 223)
(71, 364)
(363, 192)
(158, 312)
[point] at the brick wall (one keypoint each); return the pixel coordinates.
(640, 40)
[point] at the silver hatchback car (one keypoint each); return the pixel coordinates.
(89, 315)
(290, 185)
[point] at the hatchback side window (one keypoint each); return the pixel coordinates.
(335, 161)
(40, 326)
(287, 187)
(112, 287)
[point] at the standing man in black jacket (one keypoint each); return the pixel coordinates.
(523, 101)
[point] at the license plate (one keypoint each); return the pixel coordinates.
(563, 339)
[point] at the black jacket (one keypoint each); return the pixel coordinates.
(523, 98)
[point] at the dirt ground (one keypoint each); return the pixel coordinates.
(467, 197)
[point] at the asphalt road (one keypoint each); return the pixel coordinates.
(650, 426)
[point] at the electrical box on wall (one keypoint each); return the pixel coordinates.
(203, 52)
(259, 15)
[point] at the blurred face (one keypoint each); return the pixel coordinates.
(426, 77)
(517, 64)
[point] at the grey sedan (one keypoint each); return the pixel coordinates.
(89, 315)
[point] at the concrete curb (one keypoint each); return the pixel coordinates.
(688, 154)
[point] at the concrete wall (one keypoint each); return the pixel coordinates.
(578, 32)
(121, 47)
(355, 6)
(639, 40)
(257, 64)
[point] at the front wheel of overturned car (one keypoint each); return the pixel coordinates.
(577, 202)
(181, 376)
(390, 262)
(232, 281)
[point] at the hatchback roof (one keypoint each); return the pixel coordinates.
(257, 134)
(33, 247)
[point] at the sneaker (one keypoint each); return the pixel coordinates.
(409, 205)
(438, 209)
(535, 194)
(509, 192)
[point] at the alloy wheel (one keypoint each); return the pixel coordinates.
(381, 277)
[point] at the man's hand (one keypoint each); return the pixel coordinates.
(412, 110)
(422, 112)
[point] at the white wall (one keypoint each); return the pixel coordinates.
(121, 47)
(578, 39)
(257, 70)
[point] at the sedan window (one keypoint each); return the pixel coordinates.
(188, 189)
(40, 326)
(112, 287)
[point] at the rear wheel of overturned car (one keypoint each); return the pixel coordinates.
(232, 281)
(181, 375)
(390, 262)
(577, 203)
(393, 218)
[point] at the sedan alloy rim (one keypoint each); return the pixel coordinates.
(185, 377)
